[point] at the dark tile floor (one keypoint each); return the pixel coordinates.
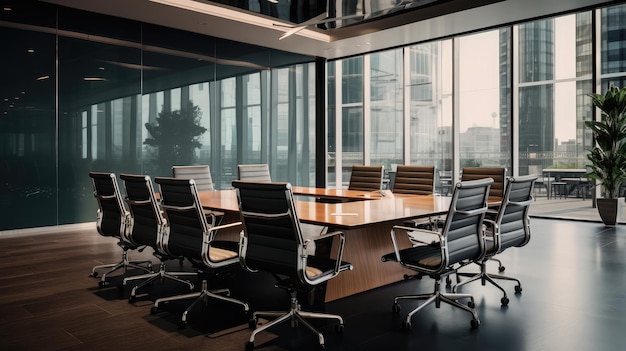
(574, 298)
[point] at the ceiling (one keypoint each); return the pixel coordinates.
(392, 26)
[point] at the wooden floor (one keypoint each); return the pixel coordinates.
(574, 298)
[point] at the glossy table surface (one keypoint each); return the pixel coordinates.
(350, 214)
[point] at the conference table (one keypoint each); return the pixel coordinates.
(366, 218)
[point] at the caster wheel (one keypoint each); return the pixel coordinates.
(518, 289)
(132, 299)
(322, 347)
(94, 274)
(406, 325)
(475, 323)
(182, 325)
(294, 323)
(339, 328)
(504, 301)
(102, 284)
(395, 308)
(407, 277)
(249, 346)
(252, 324)
(501, 268)
(471, 304)
(448, 282)
(154, 310)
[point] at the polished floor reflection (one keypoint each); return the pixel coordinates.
(574, 298)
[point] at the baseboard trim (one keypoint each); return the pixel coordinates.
(47, 230)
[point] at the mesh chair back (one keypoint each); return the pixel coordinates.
(498, 174)
(271, 227)
(147, 223)
(416, 180)
(254, 172)
(201, 174)
(512, 218)
(366, 178)
(185, 217)
(463, 225)
(112, 216)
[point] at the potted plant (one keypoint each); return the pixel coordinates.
(608, 156)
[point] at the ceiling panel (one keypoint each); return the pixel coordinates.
(385, 30)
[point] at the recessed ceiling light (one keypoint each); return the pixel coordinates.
(31, 51)
(94, 79)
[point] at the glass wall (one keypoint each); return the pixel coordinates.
(28, 140)
(515, 97)
(555, 78)
(484, 99)
(429, 87)
(96, 93)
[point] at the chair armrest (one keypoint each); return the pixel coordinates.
(521, 203)
(137, 202)
(408, 230)
(493, 225)
(213, 230)
(491, 211)
(176, 208)
(473, 212)
(342, 241)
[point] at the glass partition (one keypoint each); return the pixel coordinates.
(430, 108)
(484, 100)
(137, 98)
(555, 72)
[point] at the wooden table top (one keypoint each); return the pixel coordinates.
(336, 193)
(347, 214)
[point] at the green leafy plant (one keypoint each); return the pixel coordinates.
(174, 136)
(608, 156)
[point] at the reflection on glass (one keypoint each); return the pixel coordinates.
(174, 138)
(483, 68)
(552, 112)
(151, 98)
(386, 118)
(430, 136)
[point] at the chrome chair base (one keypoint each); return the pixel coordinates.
(295, 315)
(437, 297)
(488, 277)
(201, 297)
(124, 264)
(160, 275)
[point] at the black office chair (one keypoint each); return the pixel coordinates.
(273, 242)
(510, 228)
(366, 178)
(112, 219)
(496, 191)
(148, 227)
(254, 172)
(460, 239)
(498, 174)
(201, 174)
(193, 237)
(414, 180)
